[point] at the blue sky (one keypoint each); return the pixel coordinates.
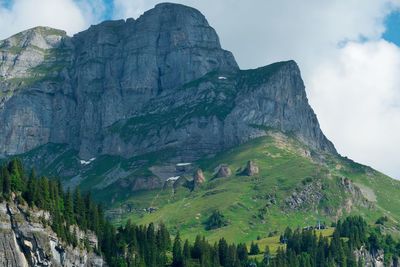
(392, 24)
(108, 13)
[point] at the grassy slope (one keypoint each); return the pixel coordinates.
(243, 200)
(283, 167)
(273, 242)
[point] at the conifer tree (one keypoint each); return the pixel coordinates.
(31, 188)
(69, 208)
(267, 256)
(186, 253)
(177, 258)
(1, 182)
(242, 253)
(254, 249)
(6, 181)
(223, 251)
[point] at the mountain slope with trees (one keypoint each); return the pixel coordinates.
(353, 242)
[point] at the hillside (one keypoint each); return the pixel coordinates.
(150, 114)
(295, 187)
(41, 225)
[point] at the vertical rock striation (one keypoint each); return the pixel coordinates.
(132, 87)
(27, 242)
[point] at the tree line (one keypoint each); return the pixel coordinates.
(66, 208)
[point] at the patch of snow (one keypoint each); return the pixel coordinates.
(183, 164)
(174, 178)
(86, 162)
(222, 78)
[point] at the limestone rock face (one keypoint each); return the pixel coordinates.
(136, 87)
(251, 168)
(27, 242)
(306, 197)
(222, 171)
(198, 177)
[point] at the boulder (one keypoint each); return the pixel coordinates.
(222, 170)
(251, 168)
(198, 177)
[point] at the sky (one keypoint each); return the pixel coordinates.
(348, 52)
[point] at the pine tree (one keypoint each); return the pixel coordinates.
(197, 246)
(151, 246)
(69, 208)
(232, 259)
(177, 258)
(254, 249)
(186, 253)
(17, 175)
(267, 256)
(1, 184)
(215, 262)
(31, 188)
(6, 181)
(163, 238)
(223, 251)
(242, 252)
(80, 209)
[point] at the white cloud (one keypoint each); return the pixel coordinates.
(128, 9)
(357, 95)
(62, 14)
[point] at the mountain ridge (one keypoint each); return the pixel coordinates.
(108, 73)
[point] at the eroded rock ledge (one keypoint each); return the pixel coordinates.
(25, 240)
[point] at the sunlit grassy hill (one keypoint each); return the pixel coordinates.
(295, 187)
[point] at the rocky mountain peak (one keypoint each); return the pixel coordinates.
(39, 37)
(177, 14)
(138, 86)
(27, 50)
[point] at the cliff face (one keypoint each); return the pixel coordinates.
(26, 241)
(136, 86)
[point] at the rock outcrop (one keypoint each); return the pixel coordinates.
(251, 168)
(222, 171)
(306, 197)
(373, 258)
(198, 177)
(26, 241)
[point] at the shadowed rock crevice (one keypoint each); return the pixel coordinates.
(27, 241)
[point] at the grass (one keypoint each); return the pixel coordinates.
(241, 199)
(244, 201)
(274, 244)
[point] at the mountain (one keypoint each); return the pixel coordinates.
(160, 124)
(131, 87)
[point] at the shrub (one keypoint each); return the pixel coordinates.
(216, 220)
